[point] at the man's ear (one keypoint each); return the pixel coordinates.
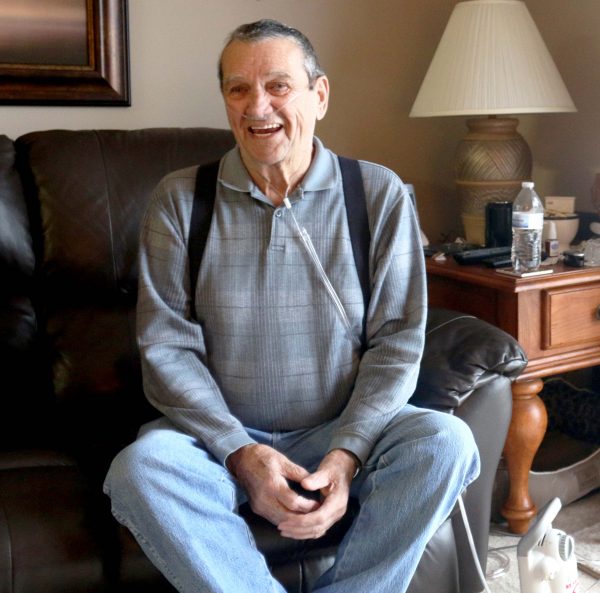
(322, 88)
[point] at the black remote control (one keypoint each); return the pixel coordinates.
(500, 261)
(475, 256)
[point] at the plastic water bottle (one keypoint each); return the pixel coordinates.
(527, 226)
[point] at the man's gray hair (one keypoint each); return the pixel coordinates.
(271, 29)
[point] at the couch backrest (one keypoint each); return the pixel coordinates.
(86, 192)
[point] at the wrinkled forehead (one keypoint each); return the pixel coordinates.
(280, 56)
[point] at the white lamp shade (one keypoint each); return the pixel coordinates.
(491, 60)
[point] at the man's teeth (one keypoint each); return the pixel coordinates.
(264, 129)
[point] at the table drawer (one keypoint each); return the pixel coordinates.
(571, 316)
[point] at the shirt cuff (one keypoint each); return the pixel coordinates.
(358, 445)
(230, 443)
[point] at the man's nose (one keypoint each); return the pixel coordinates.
(259, 103)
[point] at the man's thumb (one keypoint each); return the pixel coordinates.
(317, 481)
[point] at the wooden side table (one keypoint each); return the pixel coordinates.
(555, 318)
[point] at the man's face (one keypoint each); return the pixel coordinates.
(271, 109)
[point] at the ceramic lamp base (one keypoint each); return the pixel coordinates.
(491, 162)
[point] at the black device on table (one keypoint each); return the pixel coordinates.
(498, 239)
(447, 248)
(464, 253)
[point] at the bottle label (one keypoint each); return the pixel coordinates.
(527, 220)
(551, 247)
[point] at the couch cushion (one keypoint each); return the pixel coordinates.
(48, 535)
(91, 188)
(87, 192)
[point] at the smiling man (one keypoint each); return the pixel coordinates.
(273, 103)
(271, 393)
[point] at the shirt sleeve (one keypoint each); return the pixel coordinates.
(173, 352)
(396, 316)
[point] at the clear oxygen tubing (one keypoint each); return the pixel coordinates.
(302, 232)
(310, 249)
(465, 520)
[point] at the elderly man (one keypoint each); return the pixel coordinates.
(267, 393)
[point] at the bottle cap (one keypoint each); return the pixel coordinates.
(528, 184)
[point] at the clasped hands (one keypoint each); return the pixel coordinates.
(266, 475)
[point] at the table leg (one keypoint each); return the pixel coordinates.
(525, 434)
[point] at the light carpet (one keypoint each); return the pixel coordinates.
(581, 519)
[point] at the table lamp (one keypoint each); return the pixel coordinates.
(491, 61)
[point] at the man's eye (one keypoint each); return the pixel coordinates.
(235, 91)
(278, 88)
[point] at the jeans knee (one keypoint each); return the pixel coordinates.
(139, 466)
(123, 475)
(457, 444)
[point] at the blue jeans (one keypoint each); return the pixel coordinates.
(180, 504)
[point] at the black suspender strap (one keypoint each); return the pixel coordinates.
(356, 211)
(202, 209)
(358, 224)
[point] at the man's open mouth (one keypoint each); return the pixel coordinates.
(265, 129)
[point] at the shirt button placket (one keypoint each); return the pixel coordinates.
(277, 234)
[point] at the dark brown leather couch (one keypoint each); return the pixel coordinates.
(70, 208)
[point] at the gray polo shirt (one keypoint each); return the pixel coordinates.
(271, 351)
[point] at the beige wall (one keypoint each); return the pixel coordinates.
(376, 53)
(566, 148)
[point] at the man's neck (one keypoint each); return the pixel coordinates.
(279, 180)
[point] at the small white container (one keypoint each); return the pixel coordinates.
(566, 229)
(551, 244)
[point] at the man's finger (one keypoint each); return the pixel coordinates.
(299, 504)
(315, 524)
(294, 472)
(306, 526)
(320, 480)
(294, 501)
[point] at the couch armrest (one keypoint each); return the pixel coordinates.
(463, 353)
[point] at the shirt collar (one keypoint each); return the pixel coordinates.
(322, 174)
